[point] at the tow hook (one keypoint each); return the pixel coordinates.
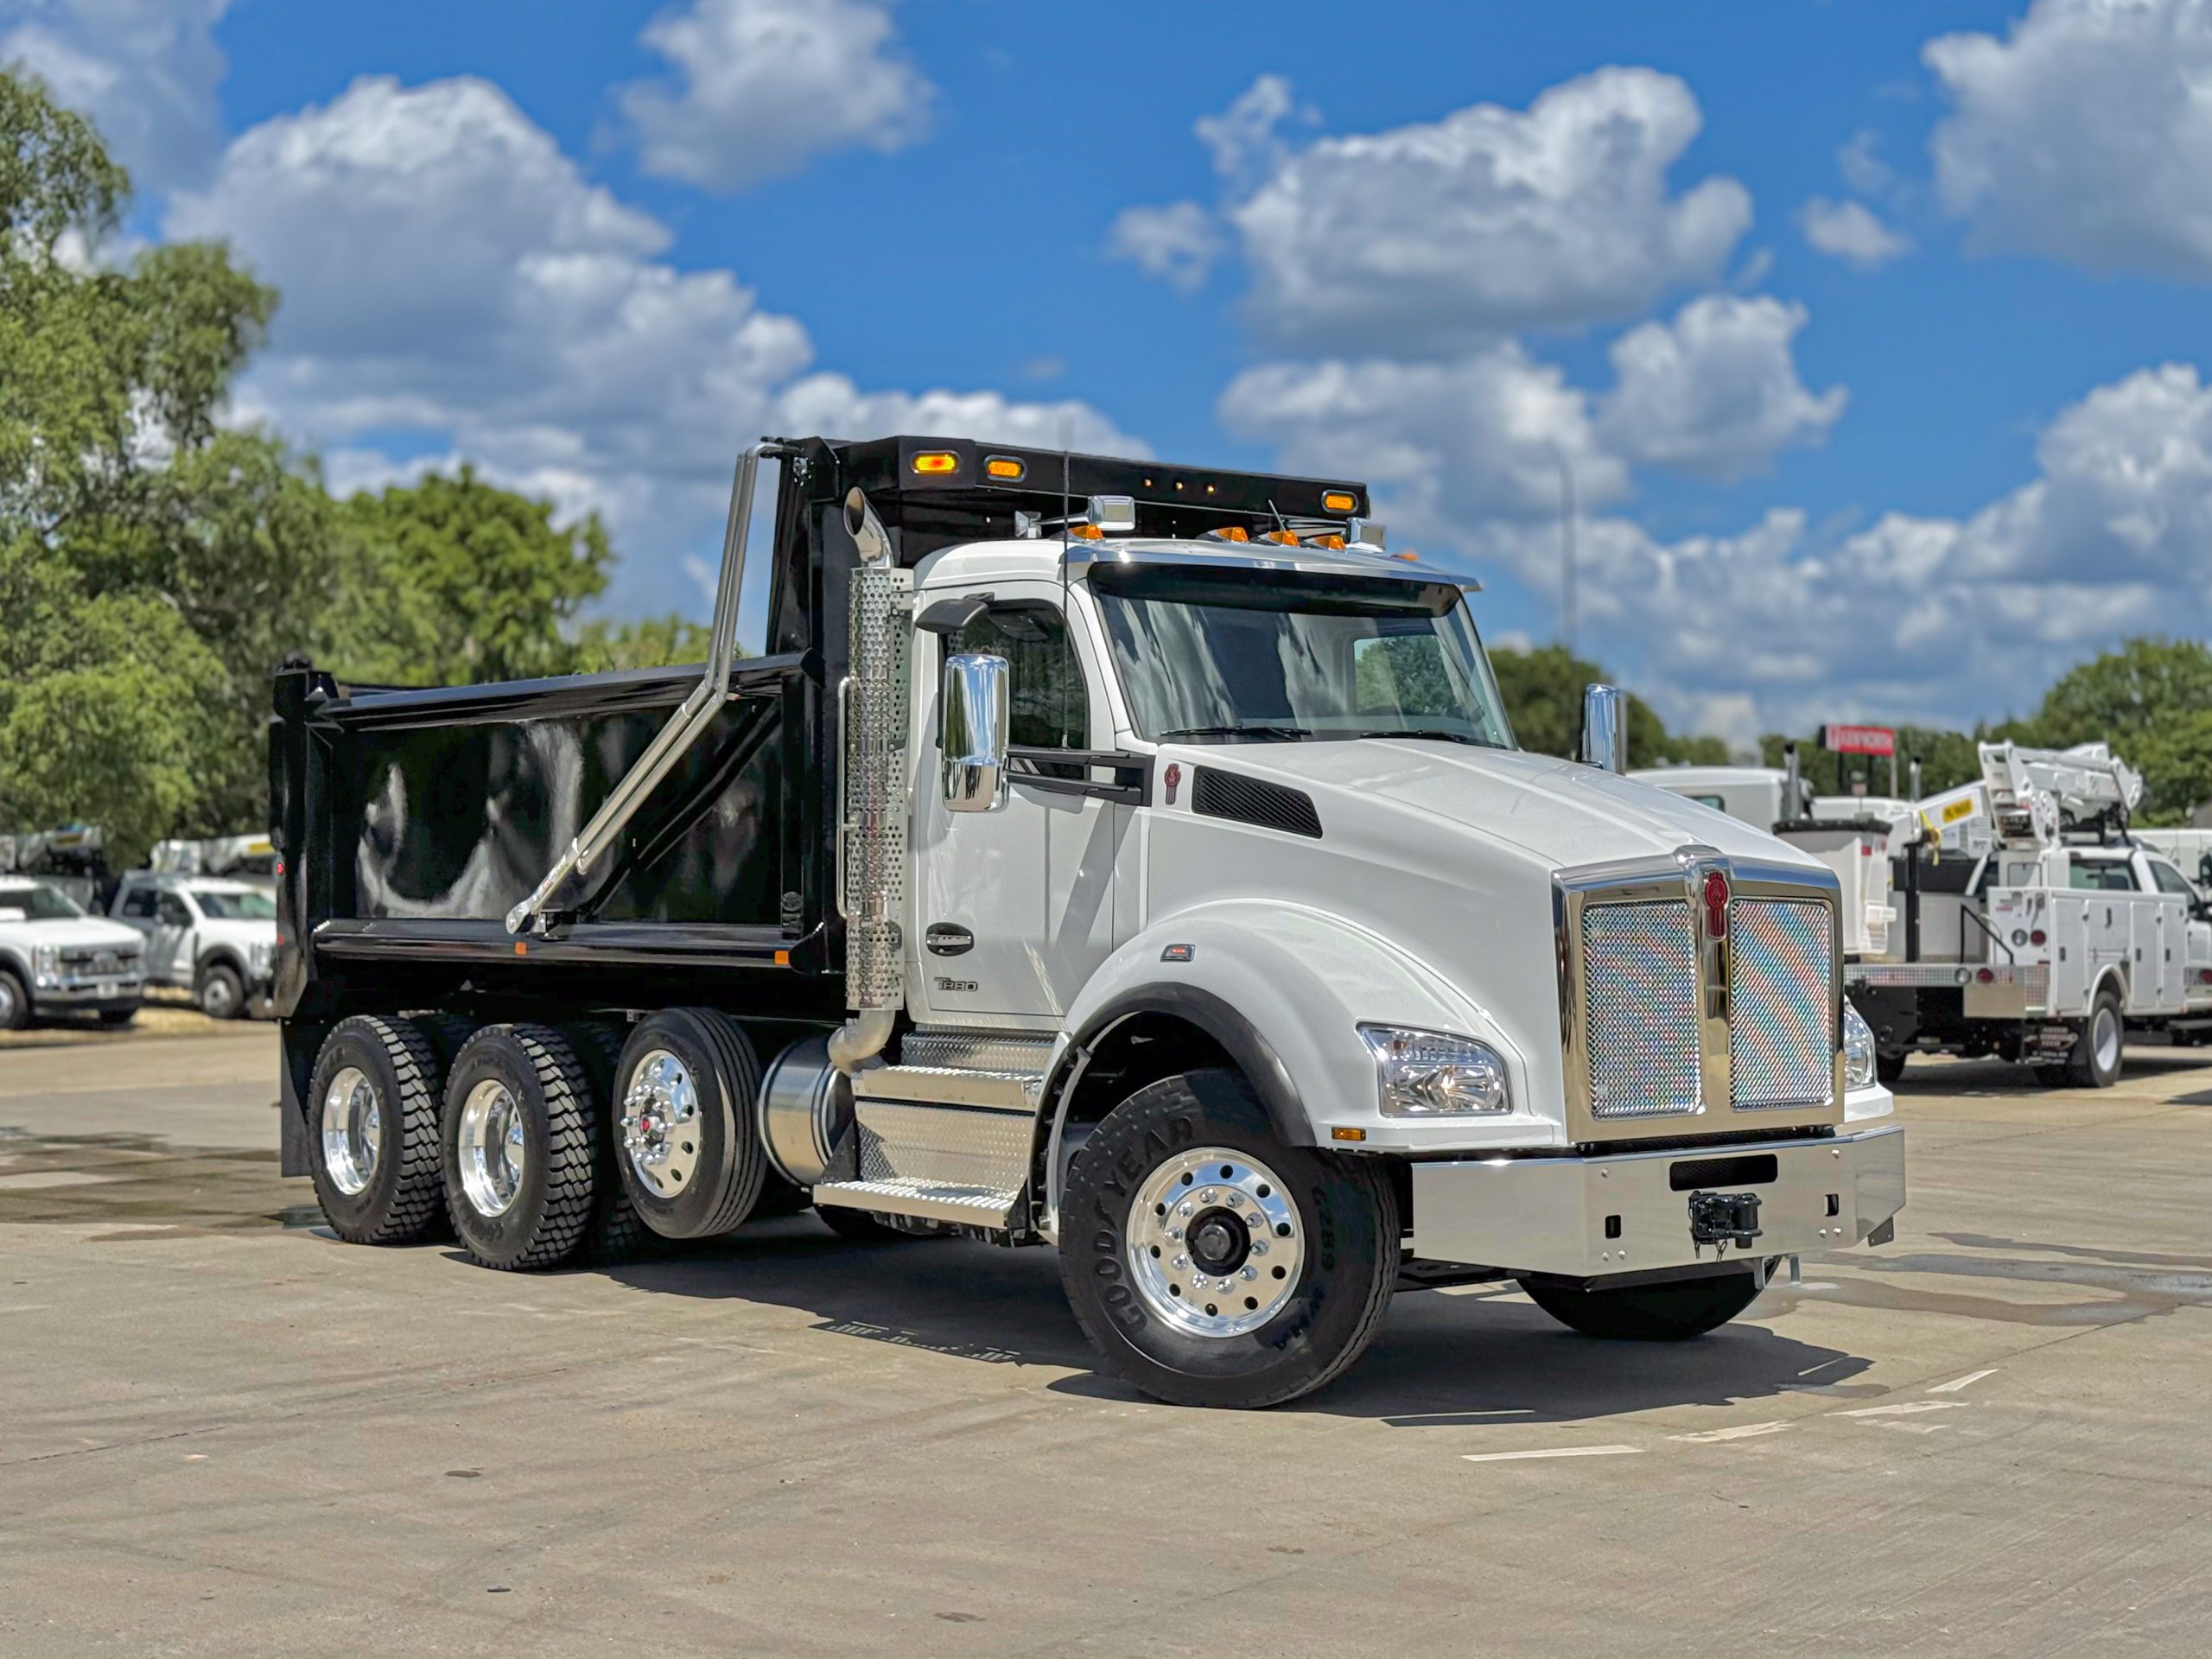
(1723, 1218)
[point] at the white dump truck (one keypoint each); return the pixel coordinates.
(1125, 858)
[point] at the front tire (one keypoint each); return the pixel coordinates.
(1212, 1264)
(518, 1139)
(1674, 1313)
(372, 1131)
(2095, 1063)
(15, 1002)
(220, 992)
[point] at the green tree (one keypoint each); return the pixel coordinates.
(453, 580)
(1542, 687)
(122, 505)
(2151, 700)
(1947, 758)
(654, 642)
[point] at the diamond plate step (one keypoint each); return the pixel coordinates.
(1005, 1091)
(968, 1206)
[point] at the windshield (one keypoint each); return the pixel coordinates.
(249, 906)
(1209, 656)
(37, 903)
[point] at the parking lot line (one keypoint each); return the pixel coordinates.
(1553, 1452)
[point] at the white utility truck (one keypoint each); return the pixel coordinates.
(1124, 857)
(54, 959)
(2038, 929)
(210, 935)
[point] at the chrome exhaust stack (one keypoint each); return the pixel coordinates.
(872, 717)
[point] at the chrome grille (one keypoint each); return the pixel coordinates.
(1640, 971)
(1782, 1005)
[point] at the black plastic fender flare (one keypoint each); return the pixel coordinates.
(1220, 1020)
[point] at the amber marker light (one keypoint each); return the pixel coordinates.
(1005, 467)
(1339, 501)
(937, 462)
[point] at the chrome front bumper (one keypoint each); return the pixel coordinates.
(115, 989)
(1589, 1218)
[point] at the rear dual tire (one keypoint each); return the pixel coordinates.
(372, 1116)
(520, 1139)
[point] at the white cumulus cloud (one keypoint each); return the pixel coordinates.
(454, 286)
(757, 87)
(145, 70)
(1850, 232)
(2085, 134)
(1715, 392)
(1178, 243)
(1489, 221)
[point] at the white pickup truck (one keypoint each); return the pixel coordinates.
(55, 959)
(212, 937)
(1128, 859)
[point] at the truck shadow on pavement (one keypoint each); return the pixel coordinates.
(1482, 1358)
(1971, 1078)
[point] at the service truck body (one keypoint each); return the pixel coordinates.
(1108, 855)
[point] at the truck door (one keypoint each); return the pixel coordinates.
(2174, 901)
(1012, 910)
(168, 947)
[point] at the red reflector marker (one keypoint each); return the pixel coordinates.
(1987, 978)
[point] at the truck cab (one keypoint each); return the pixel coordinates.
(1128, 859)
(211, 936)
(54, 959)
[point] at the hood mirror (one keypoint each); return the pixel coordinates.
(1605, 727)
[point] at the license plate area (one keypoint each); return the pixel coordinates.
(1725, 1218)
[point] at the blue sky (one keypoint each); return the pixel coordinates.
(1870, 331)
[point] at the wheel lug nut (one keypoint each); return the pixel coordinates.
(1181, 1262)
(1182, 1210)
(1235, 1199)
(1251, 1272)
(1206, 1197)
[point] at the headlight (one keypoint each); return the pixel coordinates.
(1433, 1074)
(1858, 1050)
(45, 958)
(262, 956)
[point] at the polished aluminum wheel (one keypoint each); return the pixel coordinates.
(492, 1159)
(660, 1123)
(352, 1131)
(2104, 1039)
(1215, 1244)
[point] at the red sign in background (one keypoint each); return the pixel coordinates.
(1858, 740)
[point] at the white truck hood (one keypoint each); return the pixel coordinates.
(240, 933)
(1562, 813)
(85, 930)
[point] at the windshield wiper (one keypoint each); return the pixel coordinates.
(1282, 733)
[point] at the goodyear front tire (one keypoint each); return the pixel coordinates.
(372, 1131)
(519, 1141)
(1211, 1263)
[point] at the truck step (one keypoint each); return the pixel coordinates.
(964, 1048)
(967, 1206)
(1010, 1091)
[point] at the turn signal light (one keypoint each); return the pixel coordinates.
(1325, 541)
(1086, 532)
(1339, 501)
(1230, 533)
(1285, 536)
(1004, 467)
(938, 461)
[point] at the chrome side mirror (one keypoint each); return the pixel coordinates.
(1605, 727)
(975, 719)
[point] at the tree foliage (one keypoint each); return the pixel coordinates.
(1542, 687)
(155, 564)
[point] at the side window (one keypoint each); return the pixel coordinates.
(172, 912)
(2169, 879)
(2101, 875)
(1049, 705)
(140, 902)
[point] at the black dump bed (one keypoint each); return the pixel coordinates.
(409, 822)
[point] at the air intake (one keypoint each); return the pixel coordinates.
(1248, 800)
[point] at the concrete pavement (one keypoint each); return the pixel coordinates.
(224, 1434)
